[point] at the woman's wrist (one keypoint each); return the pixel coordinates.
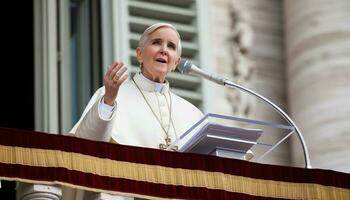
(108, 100)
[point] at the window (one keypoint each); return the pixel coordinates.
(84, 45)
(67, 61)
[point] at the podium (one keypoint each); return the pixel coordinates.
(233, 137)
(186, 66)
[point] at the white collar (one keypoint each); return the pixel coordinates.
(149, 85)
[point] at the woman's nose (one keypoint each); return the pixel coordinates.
(164, 50)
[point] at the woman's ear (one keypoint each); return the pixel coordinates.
(176, 63)
(139, 54)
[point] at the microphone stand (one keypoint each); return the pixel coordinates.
(230, 84)
(186, 66)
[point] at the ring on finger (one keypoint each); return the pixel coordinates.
(116, 77)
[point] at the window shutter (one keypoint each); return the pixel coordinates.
(180, 13)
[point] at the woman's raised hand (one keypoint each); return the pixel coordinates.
(114, 77)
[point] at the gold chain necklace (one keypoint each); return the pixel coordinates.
(167, 138)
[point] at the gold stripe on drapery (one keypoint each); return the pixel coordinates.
(167, 175)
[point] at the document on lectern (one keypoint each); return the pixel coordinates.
(214, 139)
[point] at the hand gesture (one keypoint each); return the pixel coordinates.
(114, 77)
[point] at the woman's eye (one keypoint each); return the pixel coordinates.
(156, 42)
(172, 46)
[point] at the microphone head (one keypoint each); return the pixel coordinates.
(184, 66)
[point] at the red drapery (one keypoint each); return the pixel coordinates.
(104, 167)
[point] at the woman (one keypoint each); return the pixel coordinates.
(141, 111)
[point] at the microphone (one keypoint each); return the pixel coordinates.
(186, 67)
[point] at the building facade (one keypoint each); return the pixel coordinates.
(294, 52)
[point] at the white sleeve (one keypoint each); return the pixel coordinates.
(106, 111)
(91, 125)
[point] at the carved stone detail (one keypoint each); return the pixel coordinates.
(242, 67)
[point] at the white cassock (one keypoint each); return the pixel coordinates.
(142, 120)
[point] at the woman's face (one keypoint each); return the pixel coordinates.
(159, 55)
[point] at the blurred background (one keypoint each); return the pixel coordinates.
(294, 52)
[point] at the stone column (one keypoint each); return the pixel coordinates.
(27, 191)
(318, 71)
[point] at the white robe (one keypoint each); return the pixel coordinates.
(133, 122)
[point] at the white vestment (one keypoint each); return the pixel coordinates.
(133, 122)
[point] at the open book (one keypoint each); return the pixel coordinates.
(221, 140)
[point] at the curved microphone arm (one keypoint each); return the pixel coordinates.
(281, 112)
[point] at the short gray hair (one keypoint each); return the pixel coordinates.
(152, 28)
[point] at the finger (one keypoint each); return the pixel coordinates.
(110, 69)
(121, 71)
(122, 79)
(115, 70)
(119, 74)
(119, 66)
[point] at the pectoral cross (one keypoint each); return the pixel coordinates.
(167, 144)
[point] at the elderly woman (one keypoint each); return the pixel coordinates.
(141, 111)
